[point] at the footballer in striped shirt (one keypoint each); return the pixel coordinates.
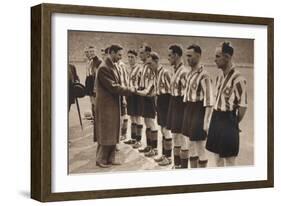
(133, 101)
(162, 89)
(198, 98)
(176, 106)
(147, 91)
(229, 108)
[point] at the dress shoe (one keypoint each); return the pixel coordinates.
(102, 165)
(115, 163)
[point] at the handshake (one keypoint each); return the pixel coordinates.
(140, 91)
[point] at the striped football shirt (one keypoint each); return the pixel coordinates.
(147, 80)
(178, 80)
(135, 75)
(199, 87)
(231, 91)
(163, 80)
(122, 70)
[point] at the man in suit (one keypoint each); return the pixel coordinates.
(108, 99)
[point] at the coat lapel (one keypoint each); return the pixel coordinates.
(113, 70)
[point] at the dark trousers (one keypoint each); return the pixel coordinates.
(106, 154)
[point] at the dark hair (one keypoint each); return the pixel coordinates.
(146, 48)
(106, 51)
(226, 48)
(114, 48)
(132, 51)
(154, 56)
(176, 49)
(196, 48)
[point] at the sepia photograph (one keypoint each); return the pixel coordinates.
(130, 102)
(148, 102)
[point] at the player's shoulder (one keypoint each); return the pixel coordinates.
(145, 65)
(183, 67)
(137, 65)
(121, 64)
(166, 70)
(204, 73)
(184, 70)
(218, 78)
(238, 77)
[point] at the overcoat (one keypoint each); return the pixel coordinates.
(108, 103)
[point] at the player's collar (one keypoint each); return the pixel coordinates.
(232, 70)
(198, 70)
(177, 67)
(160, 68)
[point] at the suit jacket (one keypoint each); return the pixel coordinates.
(107, 109)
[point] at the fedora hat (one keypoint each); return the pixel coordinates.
(78, 90)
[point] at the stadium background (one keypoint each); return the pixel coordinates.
(81, 147)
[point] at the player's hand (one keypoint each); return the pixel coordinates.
(132, 89)
(206, 128)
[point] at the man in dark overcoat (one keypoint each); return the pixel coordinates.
(108, 99)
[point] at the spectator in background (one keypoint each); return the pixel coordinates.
(92, 64)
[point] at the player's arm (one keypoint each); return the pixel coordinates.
(241, 113)
(208, 101)
(167, 79)
(207, 118)
(241, 95)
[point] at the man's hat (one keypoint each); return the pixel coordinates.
(78, 90)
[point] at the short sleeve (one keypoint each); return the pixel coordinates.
(208, 94)
(241, 92)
